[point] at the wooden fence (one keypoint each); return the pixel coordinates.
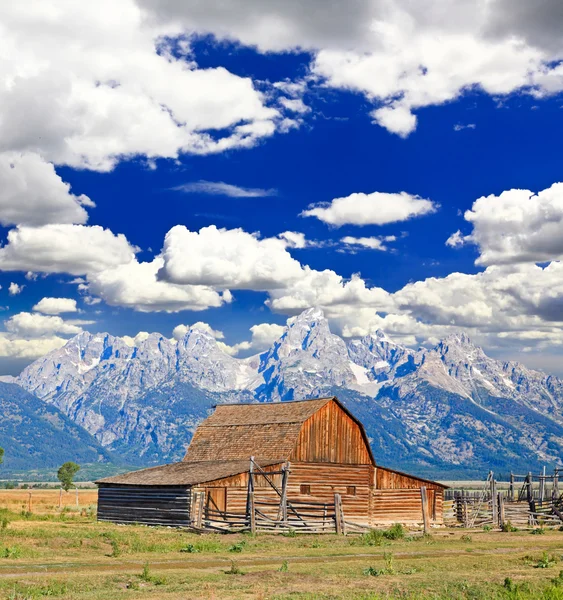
(523, 504)
(265, 513)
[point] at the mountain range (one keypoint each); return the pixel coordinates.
(444, 412)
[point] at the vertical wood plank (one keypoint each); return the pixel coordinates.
(424, 500)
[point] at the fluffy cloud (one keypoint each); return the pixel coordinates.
(12, 347)
(517, 226)
(14, 289)
(135, 285)
(377, 208)
(227, 259)
(33, 325)
(219, 188)
(370, 243)
(74, 249)
(180, 330)
(263, 336)
(401, 55)
(31, 193)
(120, 92)
(55, 306)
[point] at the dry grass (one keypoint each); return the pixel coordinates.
(45, 501)
(69, 556)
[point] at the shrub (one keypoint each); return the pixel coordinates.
(466, 538)
(487, 528)
(374, 537)
(237, 547)
(396, 532)
(387, 570)
(190, 548)
(11, 552)
(234, 570)
(284, 568)
(507, 527)
(538, 531)
(546, 561)
(147, 576)
(4, 522)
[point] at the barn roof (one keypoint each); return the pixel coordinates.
(236, 431)
(186, 473)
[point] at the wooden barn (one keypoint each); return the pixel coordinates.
(305, 465)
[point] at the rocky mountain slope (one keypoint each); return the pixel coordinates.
(38, 435)
(447, 410)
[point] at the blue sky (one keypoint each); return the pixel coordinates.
(130, 132)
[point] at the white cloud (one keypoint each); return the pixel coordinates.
(135, 285)
(461, 127)
(455, 240)
(295, 105)
(56, 306)
(28, 349)
(219, 188)
(378, 208)
(74, 249)
(517, 226)
(119, 92)
(180, 330)
(294, 239)
(263, 336)
(371, 243)
(14, 289)
(33, 325)
(31, 193)
(228, 259)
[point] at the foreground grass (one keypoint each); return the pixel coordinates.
(74, 557)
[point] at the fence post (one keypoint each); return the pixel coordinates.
(200, 502)
(555, 488)
(501, 509)
(424, 503)
(511, 487)
(529, 487)
(494, 505)
(338, 513)
(252, 513)
(542, 487)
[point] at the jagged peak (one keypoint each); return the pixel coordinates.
(459, 339)
(310, 315)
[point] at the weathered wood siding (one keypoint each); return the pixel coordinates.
(331, 436)
(147, 505)
(388, 479)
(404, 506)
(325, 480)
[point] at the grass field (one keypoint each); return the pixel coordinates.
(68, 555)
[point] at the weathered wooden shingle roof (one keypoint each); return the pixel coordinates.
(185, 473)
(238, 431)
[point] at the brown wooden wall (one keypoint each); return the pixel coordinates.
(387, 479)
(331, 436)
(404, 506)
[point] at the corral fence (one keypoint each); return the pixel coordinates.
(272, 513)
(530, 500)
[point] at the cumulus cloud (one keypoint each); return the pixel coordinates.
(378, 208)
(180, 330)
(33, 325)
(135, 285)
(14, 289)
(517, 226)
(263, 336)
(120, 92)
(401, 55)
(229, 259)
(56, 306)
(219, 188)
(12, 347)
(74, 249)
(31, 193)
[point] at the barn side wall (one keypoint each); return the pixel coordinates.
(149, 505)
(405, 506)
(331, 436)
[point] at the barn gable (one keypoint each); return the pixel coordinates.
(319, 430)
